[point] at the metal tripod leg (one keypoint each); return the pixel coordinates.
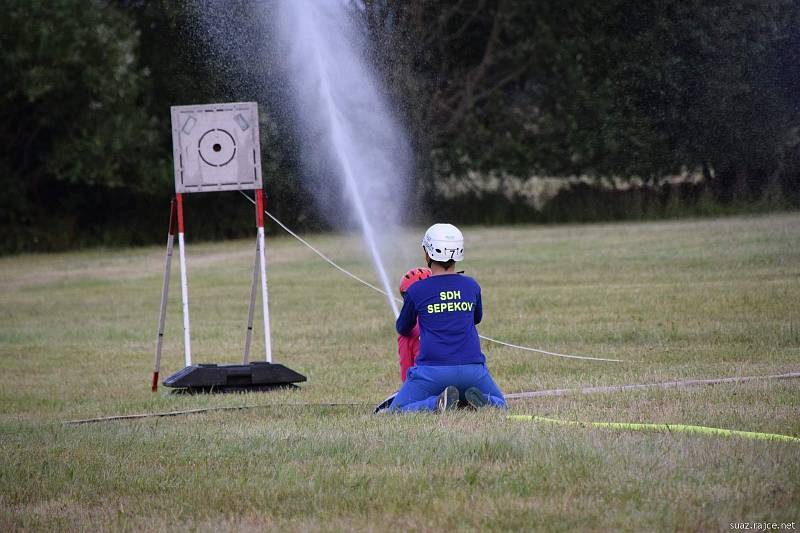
(164, 293)
(263, 270)
(264, 295)
(187, 341)
(249, 337)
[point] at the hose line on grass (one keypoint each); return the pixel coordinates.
(513, 396)
(669, 428)
(201, 410)
(378, 289)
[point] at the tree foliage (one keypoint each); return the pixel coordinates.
(74, 101)
(617, 88)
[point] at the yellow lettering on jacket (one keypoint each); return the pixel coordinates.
(450, 307)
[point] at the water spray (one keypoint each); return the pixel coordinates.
(344, 121)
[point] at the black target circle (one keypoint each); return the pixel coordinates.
(216, 147)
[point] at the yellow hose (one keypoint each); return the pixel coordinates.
(684, 428)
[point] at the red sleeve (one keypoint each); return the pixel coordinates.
(408, 349)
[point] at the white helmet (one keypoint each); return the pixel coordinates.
(444, 242)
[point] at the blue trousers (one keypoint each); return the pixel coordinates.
(424, 384)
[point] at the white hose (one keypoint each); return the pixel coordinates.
(377, 289)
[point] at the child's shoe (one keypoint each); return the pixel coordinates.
(475, 398)
(384, 406)
(448, 399)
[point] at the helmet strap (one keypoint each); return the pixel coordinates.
(427, 257)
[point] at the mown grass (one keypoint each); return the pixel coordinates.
(678, 299)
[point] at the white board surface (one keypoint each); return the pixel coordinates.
(216, 147)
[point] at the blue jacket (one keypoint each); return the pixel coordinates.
(448, 307)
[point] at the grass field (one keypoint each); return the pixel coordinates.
(679, 299)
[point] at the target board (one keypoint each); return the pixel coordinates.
(216, 147)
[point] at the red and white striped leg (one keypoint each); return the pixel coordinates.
(263, 270)
(187, 342)
(164, 293)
